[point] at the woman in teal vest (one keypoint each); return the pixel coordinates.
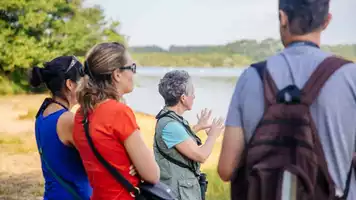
(178, 151)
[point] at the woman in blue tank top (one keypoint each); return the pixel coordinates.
(62, 167)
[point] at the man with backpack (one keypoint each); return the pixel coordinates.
(290, 129)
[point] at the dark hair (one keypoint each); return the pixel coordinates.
(55, 73)
(96, 86)
(305, 16)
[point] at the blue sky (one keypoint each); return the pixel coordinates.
(198, 22)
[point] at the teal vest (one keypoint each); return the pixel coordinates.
(183, 181)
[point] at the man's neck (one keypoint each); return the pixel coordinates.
(312, 37)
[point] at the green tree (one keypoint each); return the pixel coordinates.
(34, 31)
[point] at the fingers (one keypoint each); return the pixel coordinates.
(209, 114)
(218, 122)
(203, 112)
(214, 122)
(132, 171)
(221, 121)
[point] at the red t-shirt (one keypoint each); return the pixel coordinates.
(110, 124)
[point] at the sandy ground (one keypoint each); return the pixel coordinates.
(20, 173)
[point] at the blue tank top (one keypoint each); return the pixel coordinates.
(64, 161)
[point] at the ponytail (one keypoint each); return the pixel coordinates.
(90, 93)
(36, 77)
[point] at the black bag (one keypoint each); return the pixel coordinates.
(145, 191)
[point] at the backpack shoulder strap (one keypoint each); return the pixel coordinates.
(260, 68)
(270, 87)
(318, 78)
(310, 92)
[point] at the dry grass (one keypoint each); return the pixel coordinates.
(20, 172)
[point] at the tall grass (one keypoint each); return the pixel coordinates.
(217, 189)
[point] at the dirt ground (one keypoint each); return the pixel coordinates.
(20, 172)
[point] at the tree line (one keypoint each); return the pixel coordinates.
(234, 54)
(35, 31)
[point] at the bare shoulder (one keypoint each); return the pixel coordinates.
(66, 119)
(65, 128)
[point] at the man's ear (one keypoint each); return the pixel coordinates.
(327, 21)
(283, 18)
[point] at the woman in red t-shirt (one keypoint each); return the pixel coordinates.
(109, 75)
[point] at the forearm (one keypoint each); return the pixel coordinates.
(206, 149)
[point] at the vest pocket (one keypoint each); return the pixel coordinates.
(189, 189)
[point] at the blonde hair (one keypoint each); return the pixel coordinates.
(96, 86)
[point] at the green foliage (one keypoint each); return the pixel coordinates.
(238, 53)
(35, 31)
(191, 59)
(9, 87)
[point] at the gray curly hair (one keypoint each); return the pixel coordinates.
(173, 85)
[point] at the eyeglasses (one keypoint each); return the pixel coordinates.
(131, 67)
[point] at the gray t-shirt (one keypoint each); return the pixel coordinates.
(334, 111)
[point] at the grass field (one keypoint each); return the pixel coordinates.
(20, 173)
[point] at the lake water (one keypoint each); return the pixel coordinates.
(213, 89)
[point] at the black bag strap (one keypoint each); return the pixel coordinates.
(172, 115)
(174, 161)
(169, 158)
(65, 184)
(134, 191)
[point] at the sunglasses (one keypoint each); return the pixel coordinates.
(131, 67)
(72, 64)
